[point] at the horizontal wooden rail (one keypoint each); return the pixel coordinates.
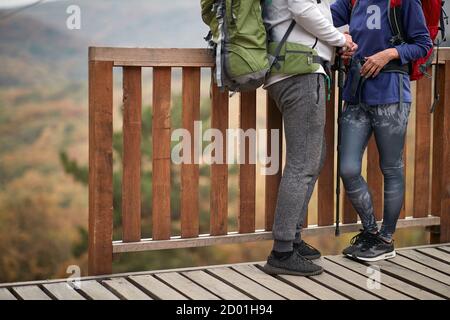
(430, 205)
(149, 57)
(258, 235)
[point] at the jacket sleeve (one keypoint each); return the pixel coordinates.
(418, 41)
(306, 14)
(341, 12)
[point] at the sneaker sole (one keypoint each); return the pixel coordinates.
(279, 271)
(348, 255)
(384, 256)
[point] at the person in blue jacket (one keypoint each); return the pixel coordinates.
(378, 100)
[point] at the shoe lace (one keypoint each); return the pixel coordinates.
(371, 242)
(363, 236)
(302, 258)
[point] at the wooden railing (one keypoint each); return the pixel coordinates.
(432, 141)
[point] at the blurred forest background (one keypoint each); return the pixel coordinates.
(44, 138)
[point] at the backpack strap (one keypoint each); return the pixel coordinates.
(275, 58)
(395, 17)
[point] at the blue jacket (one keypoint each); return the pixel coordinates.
(370, 29)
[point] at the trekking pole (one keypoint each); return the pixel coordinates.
(437, 95)
(339, 66)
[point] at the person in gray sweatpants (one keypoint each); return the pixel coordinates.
(301, 99)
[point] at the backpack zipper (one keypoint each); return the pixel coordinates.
(308, 53)
(298, 51)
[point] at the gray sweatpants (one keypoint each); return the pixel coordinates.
(301, 100)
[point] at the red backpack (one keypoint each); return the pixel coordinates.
(435, 18)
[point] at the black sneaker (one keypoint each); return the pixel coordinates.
(294, 264)
(307, 251)
(374, 250)
(357, 242)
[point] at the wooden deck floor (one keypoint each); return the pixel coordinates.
(416, 273)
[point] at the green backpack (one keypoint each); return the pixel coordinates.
(244, 53)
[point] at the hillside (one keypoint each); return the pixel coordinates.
(33, 52)
(37, 48)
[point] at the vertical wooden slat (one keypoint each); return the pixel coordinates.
(305, 222)
(445, 188)
(405, 159)
(326, 192)
(131, 181)
(219, 172)
(421, 200)
(190, 171)
(100, 167)
(247, 175)
(438, 134)
(350, 214)
(375, 178)
(274, 121)
(161, 153)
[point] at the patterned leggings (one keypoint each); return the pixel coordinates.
(388, 123)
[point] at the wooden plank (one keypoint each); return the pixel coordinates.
(305, 220)
(313, 288)
(247, 172)
(161, 153)
(405, 163)
(31, 293)
(375, 178)
(190, 171)
(343, 287)
(425, 260)
(5, 294)
(350, 215)
(274, 121)
(186, 286)
(131, 181)
(259, 235)
(219, 288)
(438, 147)
(326, 183)
(95, 291)
(446, 249)
(414, 278)
(360, 281)
(431, 245)
(272, 283)
(219, 171)
(156, 288)
(437, 254)
(250, 287)
(100, 167)
(420, 268)
(421, 201)
(63, 291)
(125, 290)
(444, 54)
(385, 279)
(445, 187)
(153, 57)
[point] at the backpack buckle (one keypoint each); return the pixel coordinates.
(396, 40)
